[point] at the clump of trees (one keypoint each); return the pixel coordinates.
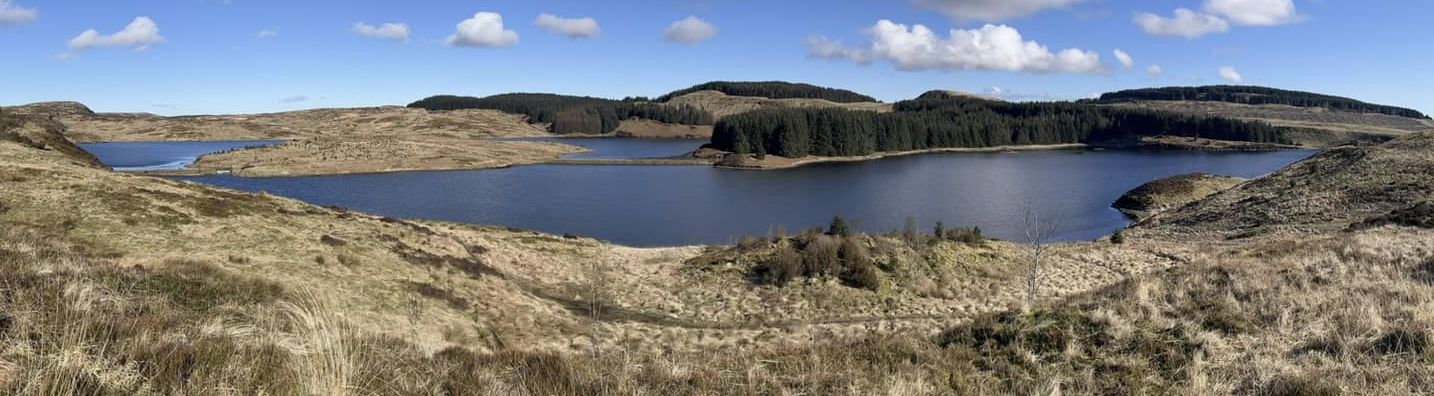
(572, 114)
(820, 255)
(841, 253)
(1255, 96)
(774, 90)
(942, 122)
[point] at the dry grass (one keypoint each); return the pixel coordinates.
(722, 105)
(325, 141)
(122, 284)
(350, 155)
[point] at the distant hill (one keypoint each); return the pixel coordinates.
(774, 90)
(1252, 95)
(943, 120)
(949, 94)
(571, 114)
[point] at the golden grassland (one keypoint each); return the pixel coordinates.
(325, 141)
(1172, 192)
(1314, 127)
(126, 284)
(723, 105)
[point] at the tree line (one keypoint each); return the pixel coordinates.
(774, 90)
(1256, 96)
(935, 122)
(571, 114)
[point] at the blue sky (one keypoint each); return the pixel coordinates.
(208, 56)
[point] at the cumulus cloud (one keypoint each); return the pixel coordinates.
(139, 34)
(992, 10)
(14, 15)
(1254, 12)
(1228, 73)
(1217, 16)
(1186, 23)
(992, 47)
(483, 30)
(267, 33)
(1124, 58)
(821, 47)
(690, 31)
(1154, 70)
(571, 27)
(388, 31)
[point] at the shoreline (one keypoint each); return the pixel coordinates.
(805, 161)
(1155, 143)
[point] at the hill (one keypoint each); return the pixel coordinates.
(942, 121)
(1337, 189)
(1252, 95)
(774, 90)
(323, 141)
(722, 105)
(571, 114)
(1314, 120)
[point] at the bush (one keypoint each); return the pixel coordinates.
(820, 256)
(1118, 237)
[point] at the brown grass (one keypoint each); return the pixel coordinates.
(121, 284)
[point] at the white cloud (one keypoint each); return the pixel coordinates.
(571, 27)
(388, 31)
(821, 47)
(1217, 16)
(690, 31)
(139, 34)
(991, 47)
(14, 15)
(267, 33)
(1254, 12)
(485, 30)
(992, 10)
(1228, 73)
(294, 99)
(1124, 58)
(1186, 23)
(1154, 70)
(64, 56)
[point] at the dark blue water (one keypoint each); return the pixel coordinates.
(624, 148)
(150, 156)
(683, 205)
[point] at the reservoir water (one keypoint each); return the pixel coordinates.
(153, 156)
(684, 205)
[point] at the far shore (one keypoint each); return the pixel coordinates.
(773, 162)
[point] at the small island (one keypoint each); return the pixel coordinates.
(1172, 192)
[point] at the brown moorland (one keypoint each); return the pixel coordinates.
(126, 284)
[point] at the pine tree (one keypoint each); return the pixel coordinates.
(839, 228)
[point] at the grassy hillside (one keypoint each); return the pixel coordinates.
(945, 121)
(571, 114)
(774, 90)
(1251, 95)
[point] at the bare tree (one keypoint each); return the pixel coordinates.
(1037, 232)
(597, 293)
